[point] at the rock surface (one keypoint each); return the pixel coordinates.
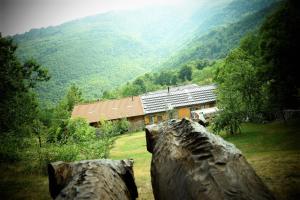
(92, 179)
(188, 162)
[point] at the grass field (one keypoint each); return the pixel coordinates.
(17, 183)
(134, 146)
(272, 149)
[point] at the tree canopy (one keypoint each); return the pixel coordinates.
(18, 104)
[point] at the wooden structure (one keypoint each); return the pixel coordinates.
(188, 162)
(92, 179)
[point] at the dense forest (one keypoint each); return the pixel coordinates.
(91, 52)
(250, 53)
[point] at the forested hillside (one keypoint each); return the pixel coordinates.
(246, 16)
(104, 51)
(198, 60)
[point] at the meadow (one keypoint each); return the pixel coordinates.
(272, 149)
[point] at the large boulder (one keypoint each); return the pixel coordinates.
(92, 179)
(188, 162)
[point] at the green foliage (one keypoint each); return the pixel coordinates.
(103, 51)
(123, 125)
(217, 43)
(239, 91)
(78, 130)
(18, 104)
(185, 73)
(166, 78)
(113, 128)
(259, 77)
(190, 73)
(279, 47)
(73, 97)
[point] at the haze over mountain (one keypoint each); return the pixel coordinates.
(106, 50)
(227, 28)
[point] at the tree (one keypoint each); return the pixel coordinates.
(18, 104)
(200, 64)
(185, 73)
(73, 97)
(279, 51)
(166, 78)
(239, 92)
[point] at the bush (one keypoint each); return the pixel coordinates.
(113, 128)
(9, 149)
(228, 121)
(78, 130)
(122, 125)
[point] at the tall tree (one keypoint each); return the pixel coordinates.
(73, 97)
(261, 76)
(18, 105)
(239, 93)
(185, 73)
(279, 48)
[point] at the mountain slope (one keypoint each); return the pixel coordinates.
(217, 43)
(102, 51)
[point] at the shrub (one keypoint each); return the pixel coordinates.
(78, 130)
(122, 125)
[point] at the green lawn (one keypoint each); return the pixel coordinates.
(17, 183)
(272, 149)
(134, 146)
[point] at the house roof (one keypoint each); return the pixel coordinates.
(109, 109)
(160, 101)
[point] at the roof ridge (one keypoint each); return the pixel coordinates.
(105, 100)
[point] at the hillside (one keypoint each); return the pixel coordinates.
(217, 43)
(102, 52)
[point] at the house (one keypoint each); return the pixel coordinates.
(149, 108)
(129, 108)
(177, 102)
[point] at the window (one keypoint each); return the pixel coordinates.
(159, 118)
(151, 119)
(171, 115)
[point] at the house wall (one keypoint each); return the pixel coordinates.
(178, 113)
(136, 123)
(184, 112)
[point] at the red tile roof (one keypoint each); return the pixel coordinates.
(109, 109)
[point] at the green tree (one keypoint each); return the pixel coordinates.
(18, 105)
(166, 78)
(185, 73)
(73, 97)
(78, 131)
(279, 49)
(239, 91)
(202, 63)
